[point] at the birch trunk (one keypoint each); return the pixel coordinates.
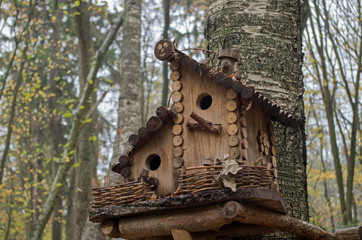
(129, 106)
(268, 37)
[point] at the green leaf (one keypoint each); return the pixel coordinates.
(68, 114)
(76, 3)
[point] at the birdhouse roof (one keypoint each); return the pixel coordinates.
(165, 50)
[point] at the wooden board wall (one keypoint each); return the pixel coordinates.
(256, 120)
(198, 143)
(160, 144)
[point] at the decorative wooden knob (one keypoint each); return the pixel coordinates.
(229, 53)
(163, 49)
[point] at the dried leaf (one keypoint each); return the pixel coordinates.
(229, 182)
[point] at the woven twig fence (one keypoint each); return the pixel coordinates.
(197, 179)
(134, 191)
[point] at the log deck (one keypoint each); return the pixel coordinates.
(265, 198)
(208, 222)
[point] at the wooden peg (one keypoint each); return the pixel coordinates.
(244, 143)
(121, 180)
(124, 160)
(177, 151)
(174, 65)
(243, 122)
(244, 132)
(95, 183)
(231, 117)
(231, 105)
(175, 76)
(177, 129)
(177, 97)
(234, 152)
(177, 140)
(176, 86)
(233, 140)
(232, 129)
(107, 181)
(178, 162)
(274, 161)
(143, 174)
(125, 171)
(179, 118)
(179, 107)
(231, 94)
(154, 124)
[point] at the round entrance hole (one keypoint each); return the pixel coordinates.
(204, 101)
(153, 162)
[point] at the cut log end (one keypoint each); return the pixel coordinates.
(230, 210)
(110, 228)
(164, 49)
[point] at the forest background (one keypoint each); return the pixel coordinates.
(63, 77)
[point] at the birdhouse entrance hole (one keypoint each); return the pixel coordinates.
(153, 162)
(204, 101)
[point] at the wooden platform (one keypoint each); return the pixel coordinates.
(264, 198)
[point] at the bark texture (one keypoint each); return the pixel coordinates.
(129, 106)
(268, 37)
(86, 150)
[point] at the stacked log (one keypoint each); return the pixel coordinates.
(177, 97)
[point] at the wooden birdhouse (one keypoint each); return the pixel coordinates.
(213, 144)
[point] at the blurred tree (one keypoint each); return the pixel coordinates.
(334, 46)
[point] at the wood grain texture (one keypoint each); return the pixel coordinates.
(176, 86)
(199, 144)
(160, 144)
(255, 120)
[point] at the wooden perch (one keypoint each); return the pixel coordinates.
(192, 124)
(349, 233)
(206, 125)
(248, 214)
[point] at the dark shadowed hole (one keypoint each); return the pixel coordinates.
(205, 102)
(153, 162)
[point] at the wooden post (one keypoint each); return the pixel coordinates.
(109, 228)
(178, 234)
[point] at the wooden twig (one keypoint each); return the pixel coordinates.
(206, 125)
(199, 49)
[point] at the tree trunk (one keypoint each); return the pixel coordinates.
(81, 112)
(87, 152)
(55, 118)
(129, 106)
(268, 37)
(166, 26)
